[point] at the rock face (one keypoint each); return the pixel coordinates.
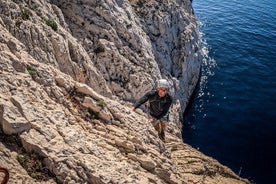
(68, 72)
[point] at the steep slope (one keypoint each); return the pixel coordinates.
(67, 73)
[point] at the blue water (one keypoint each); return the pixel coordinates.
(233, 114)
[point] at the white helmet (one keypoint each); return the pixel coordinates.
(163, 83)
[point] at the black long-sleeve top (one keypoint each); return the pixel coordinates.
(158, 106)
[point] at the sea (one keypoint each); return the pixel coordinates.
(232, 114)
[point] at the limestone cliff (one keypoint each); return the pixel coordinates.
(68, 72)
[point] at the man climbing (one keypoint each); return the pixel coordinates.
(159, 104)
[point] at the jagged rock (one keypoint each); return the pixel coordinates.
(11, 120)
(69, 70)
(147, 163)
(125, 144)
(97, 107)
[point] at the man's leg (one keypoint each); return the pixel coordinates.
(159, 126)
(161, 132)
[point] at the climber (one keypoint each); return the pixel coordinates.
(6, 177)
(159, 103)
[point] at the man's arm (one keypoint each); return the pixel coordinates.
(142, 100)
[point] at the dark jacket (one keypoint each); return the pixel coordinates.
(158, 106)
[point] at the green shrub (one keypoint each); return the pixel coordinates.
(93, 115)
(32, 163)
(52, 23)
(31, 70)
(25, 14)
(100, 103)
(21, 158)
(99, 49)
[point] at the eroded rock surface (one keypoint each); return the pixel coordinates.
(68, 72)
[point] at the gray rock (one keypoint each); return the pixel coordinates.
(63, 62)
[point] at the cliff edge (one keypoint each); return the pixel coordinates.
(69, 71)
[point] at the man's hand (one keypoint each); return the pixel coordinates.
(133, 108)
(151, 120)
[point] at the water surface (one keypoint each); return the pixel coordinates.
(233, 114)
